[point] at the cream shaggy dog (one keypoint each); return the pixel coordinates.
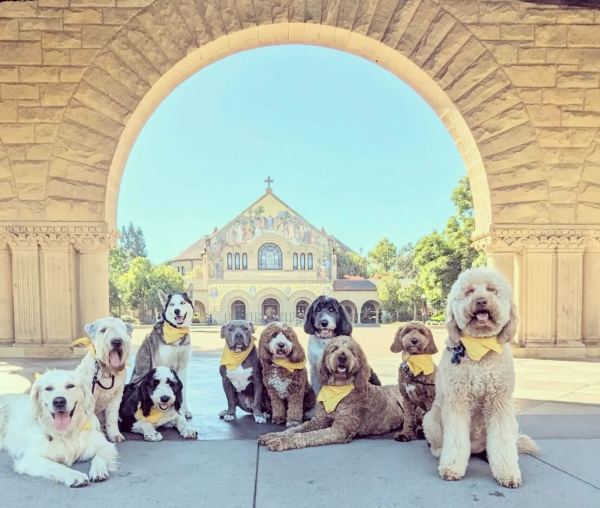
(55, 427)
(473, 408)
(103, 367)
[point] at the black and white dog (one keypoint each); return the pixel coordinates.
(241, 373)
(154, 401)
(326, 318)
(168, 344)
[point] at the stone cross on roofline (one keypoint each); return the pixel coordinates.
(269, 181)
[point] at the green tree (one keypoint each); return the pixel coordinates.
(351, 263)
(133, 241)
(383, 257)
(118, 264)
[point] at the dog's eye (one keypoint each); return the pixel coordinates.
(69, 386)
(469, 292)
(330, 309)
(49, 388)
(492, 290)
(102, 330)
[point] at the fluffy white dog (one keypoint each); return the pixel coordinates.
(54, 428)
(103, 367)
(473, 408)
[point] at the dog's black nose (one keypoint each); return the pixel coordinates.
(59, 402)
(116, 342)
(164, 398)
(481, 302)
(280, 345)
(342, 358)
(238, 335)
(414, 340)
(324, 322)
(177, 312)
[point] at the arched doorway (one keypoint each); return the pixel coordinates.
(270, 310)
(351, 311)
(369, 313)
(301, 308)
(238, 310)
(199, 312)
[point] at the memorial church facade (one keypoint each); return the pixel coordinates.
(269, 264)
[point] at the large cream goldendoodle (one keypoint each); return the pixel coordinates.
(473, 408)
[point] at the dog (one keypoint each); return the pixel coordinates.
(152, 402)
(103, 367)
(473, 408)
(168, 344)
(416, 376)
(284, 374)
(348, 404)
(241, 373)
(55, 427)
(326, 318)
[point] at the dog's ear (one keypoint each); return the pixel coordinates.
(251, 326)
(36, 405)
(451, 325)
(223, 328)
(145, 392)
(507, 334)
(324, 373)
(343, 326)
(129, 327)
(178, 391)
(397, 346)
(361, 380)
(297, 353)
(190, 292)
(431, 348)
(263, 343)
(309, 319)
(90, 329)
(89, 401)
(163, 297)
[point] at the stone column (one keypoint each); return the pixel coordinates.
(591, 302)
(26, 293)
(93, 295)
(7, 329)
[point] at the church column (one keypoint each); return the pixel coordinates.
(7, 330)
(93, 288)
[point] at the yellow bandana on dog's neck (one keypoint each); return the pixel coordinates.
(154, 417)
(331, 395)
(87, 342)
(478, 347)
(172, 334)
(233, 360)
(291, 366)
(418, 363)
(86, 426)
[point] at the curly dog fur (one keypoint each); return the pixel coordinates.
(473, 408)
(290, 392)
(367, 411)
(417, 391)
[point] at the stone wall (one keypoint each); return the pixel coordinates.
(517, 84)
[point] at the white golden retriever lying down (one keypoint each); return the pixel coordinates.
(55, 427)
(473, 408)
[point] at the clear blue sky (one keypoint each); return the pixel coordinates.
(349, 145)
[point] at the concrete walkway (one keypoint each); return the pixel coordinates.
(225, 467)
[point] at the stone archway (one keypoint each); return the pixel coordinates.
(369, 313)
(350, 309)
(525, 125)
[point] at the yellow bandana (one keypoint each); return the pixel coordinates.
(418, 363)
(172, 334)
(86, 426)
(478, 347)
(331, 395)
(154, 417)
(291, 366)
(87, 342)
(233, 360)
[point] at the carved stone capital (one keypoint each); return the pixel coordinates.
(83, 236)
(509, 238)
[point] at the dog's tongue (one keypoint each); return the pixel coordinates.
(482, 317)
(114, 359)
(62, 421)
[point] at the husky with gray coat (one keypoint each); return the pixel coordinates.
(155, 351)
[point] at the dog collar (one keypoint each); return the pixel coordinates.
(475, 348)
(417, 364)
(96, 379)
(172, 333)
(233, 360)
(291, 366)
(153, 417)
(331, 395)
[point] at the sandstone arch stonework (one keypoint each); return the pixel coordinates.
(516, 83)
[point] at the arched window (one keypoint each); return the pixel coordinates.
(301, 308)
(229, 261)
(237, 260)
(295, 261)
(302, 261)
(270, 257)
(244, 261)
(309, 261)
(238, 310)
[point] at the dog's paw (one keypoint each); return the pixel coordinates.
(404, 437)
(188, 415)
(264, 439)
(449, 475)
(76, 479)
(228, 417)
(260, 419)
(98, 471)
(278, 420)
(157, 436)
(188, 433)
(279, 444)
(292, 423)
(116, 438)
(510, 481)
